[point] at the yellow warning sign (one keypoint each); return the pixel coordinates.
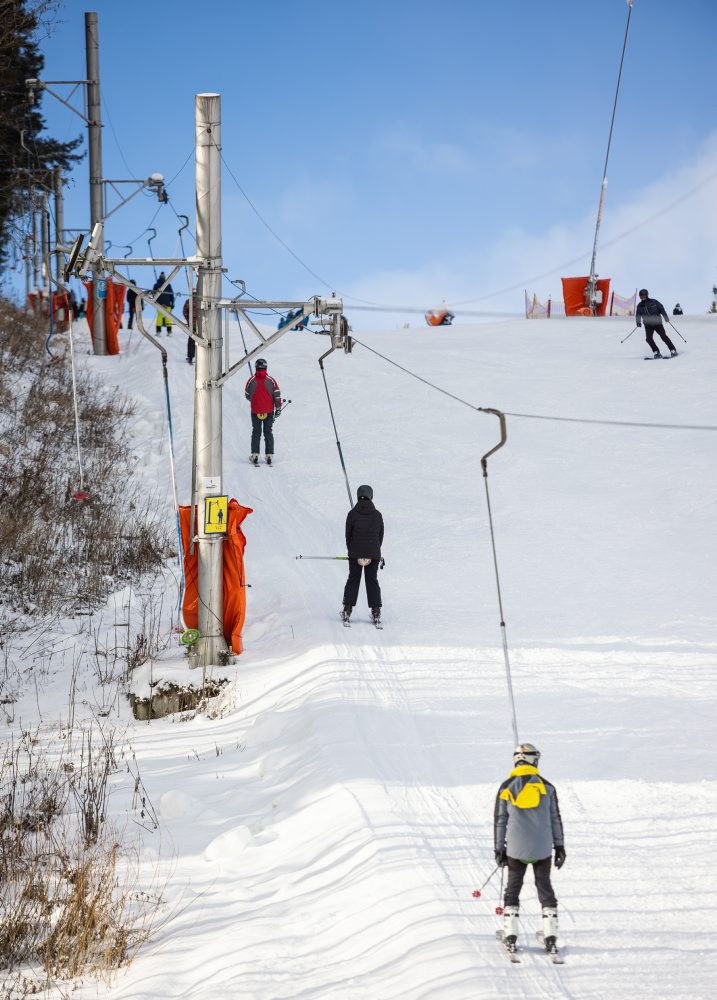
(215, 515)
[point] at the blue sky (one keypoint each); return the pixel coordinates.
(411, 151)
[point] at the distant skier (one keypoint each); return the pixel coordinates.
(191, 345)
(264, 394)
(364, 537)
(132, 303)
(526, 827)
(677, 311)
(165, 298)
(652, 311)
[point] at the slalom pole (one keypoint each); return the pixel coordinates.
(675, 329)
(629, 334)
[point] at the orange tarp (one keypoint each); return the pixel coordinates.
(114, 304)
(234, 582)
(574, 296)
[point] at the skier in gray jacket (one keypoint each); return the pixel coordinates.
(527, 825)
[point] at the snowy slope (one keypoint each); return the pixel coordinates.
(322, 838)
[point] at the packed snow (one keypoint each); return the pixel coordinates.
(322, 830)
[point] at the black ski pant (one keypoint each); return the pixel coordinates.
(131, 318)
(370, 574)
(256, 428)
(516, 874)
(658, 329)
(191, 349)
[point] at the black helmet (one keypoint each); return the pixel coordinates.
(644, 291)
(364, 493)
(260, 365)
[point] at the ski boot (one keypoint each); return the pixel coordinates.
(254, 458)
(269, 459)
(673, 353)
(656, 355)
(550, 929)
(346, 612)
(510, 927)
(376, 616)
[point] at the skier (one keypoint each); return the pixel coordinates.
(677, 311)
(364, 536)
(652, 312)
(526, 827)
(165, 298)
(264, 394)
(191, 345)
(132, 303)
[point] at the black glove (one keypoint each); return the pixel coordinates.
(559, 857)
(501, 858)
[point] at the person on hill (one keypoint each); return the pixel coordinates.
(652, 311)
(364, 537)
(191, 345)
(264, 395)
(526, 828)
(165, 298)
(132, 304)
(677, 311)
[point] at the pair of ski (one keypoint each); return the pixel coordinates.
(512, 953)
(347, 624)
(660, 357)
(269, 462)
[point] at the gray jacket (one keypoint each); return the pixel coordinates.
(527, 823)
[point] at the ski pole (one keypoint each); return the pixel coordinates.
(477, 892)
(675, 329)
(499, 907)
(284, 404)
(345, 558)
(629, 334)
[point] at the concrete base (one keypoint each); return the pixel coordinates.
(172, 699)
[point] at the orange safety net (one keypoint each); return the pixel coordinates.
(60, 312)
(114, 304)
(574, 296)
(234, 582)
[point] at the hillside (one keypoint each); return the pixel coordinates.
(321, 836)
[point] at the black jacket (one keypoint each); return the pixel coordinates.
(651, 310)
(364, 531)
(165, 298)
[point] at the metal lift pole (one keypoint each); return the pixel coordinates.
(94, 138)
(212, 647)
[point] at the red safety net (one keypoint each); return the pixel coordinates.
(574, 296)
(234, 582)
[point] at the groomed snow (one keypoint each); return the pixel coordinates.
(321, 838)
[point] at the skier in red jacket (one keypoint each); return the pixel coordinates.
(264, 394)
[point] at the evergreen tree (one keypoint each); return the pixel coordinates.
(21, 59)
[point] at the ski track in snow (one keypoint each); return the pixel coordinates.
(322, 838)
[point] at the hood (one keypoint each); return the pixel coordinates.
(364, 506)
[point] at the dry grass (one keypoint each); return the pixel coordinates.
(69, 903)
(60, 554)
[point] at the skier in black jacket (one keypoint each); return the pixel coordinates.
(364, 535)
(165, 298)
(652, 311)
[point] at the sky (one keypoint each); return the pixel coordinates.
(409, 153)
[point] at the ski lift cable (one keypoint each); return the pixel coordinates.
(593, 276)
(503, 633)
(537, 416)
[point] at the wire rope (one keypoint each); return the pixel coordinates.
(538, 416)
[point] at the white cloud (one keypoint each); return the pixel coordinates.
(665, 238)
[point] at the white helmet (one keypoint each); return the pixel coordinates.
(526, 753)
